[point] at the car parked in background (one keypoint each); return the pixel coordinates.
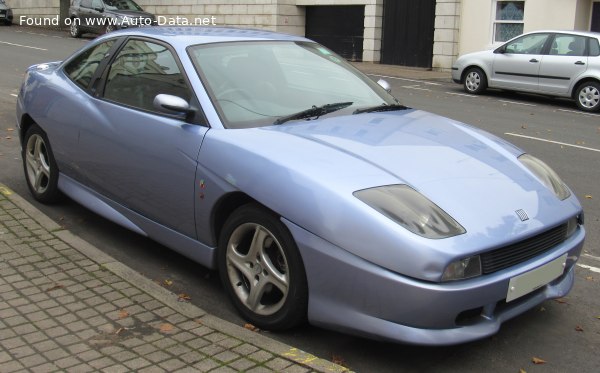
(103, 16)
(555, 63)
(6, 15)
(311, 189)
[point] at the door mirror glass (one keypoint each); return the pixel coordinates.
(385, 85)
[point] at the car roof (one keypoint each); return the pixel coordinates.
(191, 35)
(582, 33)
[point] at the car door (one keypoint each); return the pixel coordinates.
(132, 152)
(565, 61)
(517, 63)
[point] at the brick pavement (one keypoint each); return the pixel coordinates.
(66, 306)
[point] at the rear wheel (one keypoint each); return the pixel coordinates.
(261, 268)
(41, 171)
(588, 96)
(475, 81)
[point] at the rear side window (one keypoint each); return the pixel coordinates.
(568, 45)
(594, 47)
(142, 70)
(82, 68)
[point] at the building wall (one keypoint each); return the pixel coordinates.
(445, 36)
(476, 25)
(40, 9)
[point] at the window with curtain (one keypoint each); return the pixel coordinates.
(508, 21)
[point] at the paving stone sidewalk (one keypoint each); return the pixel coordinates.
(66, 306)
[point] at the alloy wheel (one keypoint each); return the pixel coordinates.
(37, 163)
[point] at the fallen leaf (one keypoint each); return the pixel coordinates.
(198, 321)
(561, 300)
(588, 196)
(589, 278)
(10, 129)
(123, 314)
(538, 361)
(598, 317)
(55, 287)
(251, 327)
(183, 298)
(336, 359)
(168, 282)
(579, 328)
(524, 126)
(522, 370)
(8, 137)
(542, 309)
(166, 328)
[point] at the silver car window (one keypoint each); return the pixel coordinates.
(594, 47)
(528, 44)
(81, 69)
(568, 45)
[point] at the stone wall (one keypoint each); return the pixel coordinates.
(446, 35)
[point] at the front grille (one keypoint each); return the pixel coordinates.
(516, 253)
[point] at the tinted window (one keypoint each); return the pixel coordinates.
(568, 45)
(83, 67)
(141, 71)
(528, 44)
(594, 47)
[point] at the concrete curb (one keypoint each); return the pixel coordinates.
(168, 298)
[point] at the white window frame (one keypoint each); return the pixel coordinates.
(497, 21)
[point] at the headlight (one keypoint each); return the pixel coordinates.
(462, 269)
(411, 210)
(546, 175)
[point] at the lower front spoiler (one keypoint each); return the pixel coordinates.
(351, 295)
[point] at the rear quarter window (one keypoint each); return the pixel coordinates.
(594, 47)
(82, 68)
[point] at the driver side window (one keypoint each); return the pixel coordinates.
(528, 44)
(140, 72)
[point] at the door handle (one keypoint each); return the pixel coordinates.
(533, 60)
(579, 63)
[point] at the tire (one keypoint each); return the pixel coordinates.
(39, 165)
(587, 96)
(475, 81)
(75, 29)
(262, 270)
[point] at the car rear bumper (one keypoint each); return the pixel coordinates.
(351, 295)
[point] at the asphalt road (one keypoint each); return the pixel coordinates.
(565, 334)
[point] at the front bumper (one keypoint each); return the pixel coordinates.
(456, 74)
(354, 296)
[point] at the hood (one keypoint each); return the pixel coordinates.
(471, 174)
(130, 13)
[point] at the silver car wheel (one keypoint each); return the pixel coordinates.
(472, 81)
(257, 269)
(589, 97)
(37, 163)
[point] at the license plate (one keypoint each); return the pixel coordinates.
(535, 279)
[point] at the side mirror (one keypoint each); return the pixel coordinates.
(385, 85)
(173, 105)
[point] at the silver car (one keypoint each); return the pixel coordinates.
(555, 63)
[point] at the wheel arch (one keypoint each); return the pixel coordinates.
(473, 65)
(224, 207)
(581, 81)
(26, 123)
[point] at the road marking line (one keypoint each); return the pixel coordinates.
(23, 46)
(593, 269)
(578, 112)
(461, 94)
(408, 80)
(516, 103)
(591, 257)
(552, 142)
(416, 87)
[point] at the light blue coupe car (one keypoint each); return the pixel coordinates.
(315, 194)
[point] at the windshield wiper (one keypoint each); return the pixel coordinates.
(315, 111)
(382, 107)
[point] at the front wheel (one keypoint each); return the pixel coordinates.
(41, 171)
(262, 270)
(588, 96)
(475, 81)
(75, 30)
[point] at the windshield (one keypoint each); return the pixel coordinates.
(255, 83)
(121, 5)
